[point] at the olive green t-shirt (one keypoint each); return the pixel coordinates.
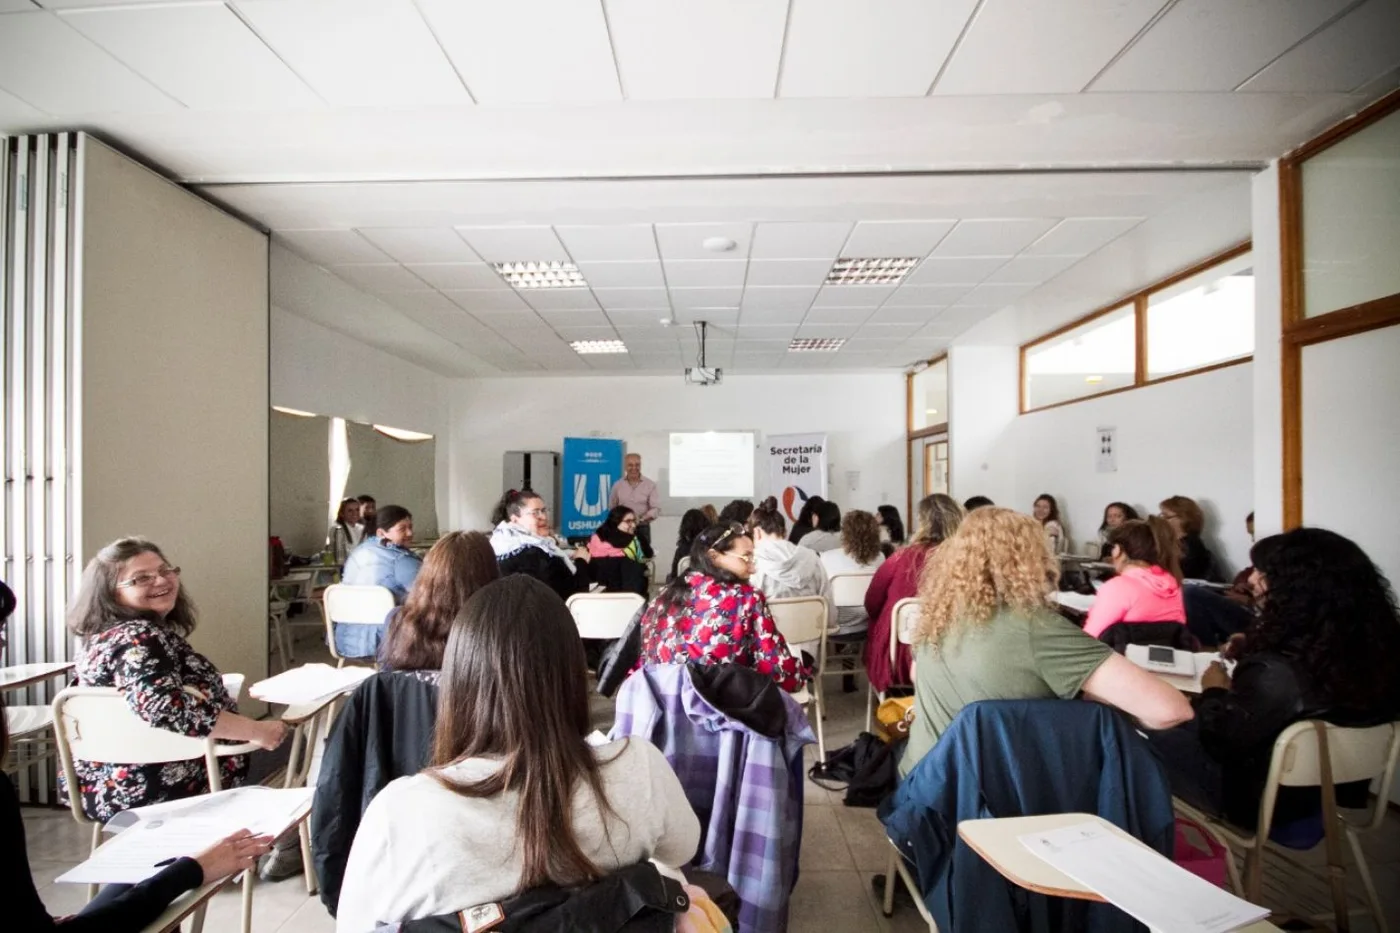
(1012, 657)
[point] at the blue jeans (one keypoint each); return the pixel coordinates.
(353, 640)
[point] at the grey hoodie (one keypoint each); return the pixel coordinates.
(783, 569)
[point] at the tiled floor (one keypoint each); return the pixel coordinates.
(842, 849)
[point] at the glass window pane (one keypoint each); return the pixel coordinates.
(1351, 219)
(1093, 358)
(930, 397)
(1206, 319)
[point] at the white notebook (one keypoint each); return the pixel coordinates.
(309, 683)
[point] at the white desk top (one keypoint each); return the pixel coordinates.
(22, 675)
(998, 843)
(21, 720)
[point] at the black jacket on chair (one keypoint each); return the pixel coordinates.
(384, 732)
(1120, 635)
(549, 570)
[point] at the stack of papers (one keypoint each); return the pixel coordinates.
(309, 684)
(1192, 666)
(148, 838)
(1152, 889)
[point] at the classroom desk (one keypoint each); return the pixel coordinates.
(190, 904)
(996, 841)
(24, 675)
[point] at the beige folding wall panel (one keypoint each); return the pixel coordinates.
(299, 453)
(395, 472)
(174, 393)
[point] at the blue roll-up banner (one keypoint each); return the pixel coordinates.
(591, 466)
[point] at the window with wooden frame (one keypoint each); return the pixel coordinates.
(926, 415)
(1199, 319)
(1339, 221)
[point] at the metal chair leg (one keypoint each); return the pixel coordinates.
(249, 878)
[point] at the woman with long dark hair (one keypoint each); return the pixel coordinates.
(1326, 645)
(891, 529)
(1047, 511)
(692, 523)
(615, 553)
(1143, 589)
(826, 528)
(802, 525)
(513, 797)
(711, 614)
(346, 531)
(1114, 514)
(457, 565)
(1188, 520)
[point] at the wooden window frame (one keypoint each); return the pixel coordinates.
(1299, 330)
(911, 435)
(1139, 302)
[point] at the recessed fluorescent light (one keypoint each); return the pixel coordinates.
(815, 344)
(1093, 380)
(891, 271)
(540, 274)
(931, 411)
(599, 346)
(402, 434)
(294, 411)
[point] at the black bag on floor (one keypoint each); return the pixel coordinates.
(865, 770)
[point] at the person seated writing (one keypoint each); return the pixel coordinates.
(1326, 646)
(712, 614)
(615, 553)
(514, 797)
(987, 633)
(1142, 590)
(523, 543)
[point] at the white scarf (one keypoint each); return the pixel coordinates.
(508, 539)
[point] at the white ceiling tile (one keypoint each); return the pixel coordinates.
(778, 298)
(624, 299)
(998, 237)
(702, 274)
(650, 338)
(379, 276)
(517, 327)
(885, 331)
(650, 320)
(15, 112)
(486, 299)
(421, 244)
(685, 241)
(775, 315)
(603, 332)
(963, 270)
(1032, 269)
(1342, 57)
(764, 332)
(1203, 45)
(576, 318)
(559, 299)
(744, 344)
(687, 299)
(954, 321)
(799, 240)
(840, 49)
(200, 54)
(717, 316)
(927, 296)
(837, 316)
(898, 314)
(827, 330)
(527, 51)
(612, 243)
(672, 49)
(993, 296)
(895, 238)
(458, 275)
(48, 65)
(359, 53)
(1080, 236)
(810, 272)
(1033, 47)
(623, 274)
(609, 361)
(861, 346)
(852, 296)
(330, 247)
(514, 244)
(16, 6)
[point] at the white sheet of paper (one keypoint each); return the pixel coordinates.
(309, 683)
(1152, 889)
(1081, 601)
(186, 827)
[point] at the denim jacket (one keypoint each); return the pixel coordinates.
(379, 562)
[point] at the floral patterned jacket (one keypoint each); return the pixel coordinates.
(157, 670)
(724, 623)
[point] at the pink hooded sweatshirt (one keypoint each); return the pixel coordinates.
(1138, 594)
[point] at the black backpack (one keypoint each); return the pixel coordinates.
(865, 770)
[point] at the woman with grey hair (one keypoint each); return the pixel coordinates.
(134, 617)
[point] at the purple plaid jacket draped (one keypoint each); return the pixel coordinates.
(746, 788)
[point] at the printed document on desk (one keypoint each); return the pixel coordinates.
(149, 836)
(309, 683)
(1152, 889)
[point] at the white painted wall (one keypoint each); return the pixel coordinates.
(1189, 437)
(1268, 326)
(863, 416)
(173, 421)
(982, 387)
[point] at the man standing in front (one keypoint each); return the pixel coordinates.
(639, 494)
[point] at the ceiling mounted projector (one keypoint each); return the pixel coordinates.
(700, 374)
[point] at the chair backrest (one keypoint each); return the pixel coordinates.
(357, 605)
(1358, 754)
(800, 618)
(682, 566)
(603, 615)
(848, 589)
(903, 618)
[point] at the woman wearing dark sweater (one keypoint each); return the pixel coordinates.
(1326, 646)
(119, 908)
(1188, 521)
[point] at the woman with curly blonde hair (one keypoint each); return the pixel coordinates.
(987, 632)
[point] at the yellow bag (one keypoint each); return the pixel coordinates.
(893, 717)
